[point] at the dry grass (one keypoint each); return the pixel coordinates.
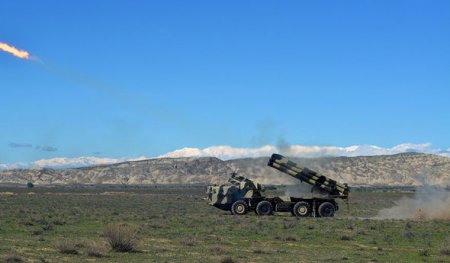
(175, 225)
(66, 247)
(121, 237)
(13, 258)
(445, 249)
(228, 260)
(95, 250)
(190, 242)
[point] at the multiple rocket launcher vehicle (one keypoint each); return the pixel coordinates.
(242, 195)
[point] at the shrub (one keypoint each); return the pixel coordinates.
(13, 258)
(121, 237)
(361, 232)
(190, 242)
(94, 250)
(289, 225)
(37, 232)
(409, 234)
(445, 250)
(47, 227)
(219, 250)
(260, 251)
(346, 237)
(290, 238)
(424, 252)
(408, 225)
(227, 260)
(66, 247)
(59, 222)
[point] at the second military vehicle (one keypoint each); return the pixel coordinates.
(242, 194)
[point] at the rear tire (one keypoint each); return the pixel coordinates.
(264, 208)
(326, 209)
(301, 209)
(239, 208)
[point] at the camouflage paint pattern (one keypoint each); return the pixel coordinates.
(239, 187)
(311, 177)
(324, 190)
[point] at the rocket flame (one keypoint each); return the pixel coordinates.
(14, 51)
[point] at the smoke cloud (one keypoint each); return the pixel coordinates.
(283, 147)
(49, 149)
(428, 203)
(44, 148)
(298, 190)
(20, 145)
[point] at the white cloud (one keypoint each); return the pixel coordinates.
(223, 152)
(227, 152)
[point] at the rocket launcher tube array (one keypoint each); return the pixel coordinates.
(298, 175)
(283, 164)
(322, 182)
(304, 174)
(297, 171)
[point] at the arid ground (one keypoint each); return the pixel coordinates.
(174, 224)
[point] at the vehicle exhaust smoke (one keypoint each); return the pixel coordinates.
(428, 203)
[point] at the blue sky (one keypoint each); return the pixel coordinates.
(143, 78)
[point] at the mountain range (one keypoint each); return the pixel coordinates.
(404, 169)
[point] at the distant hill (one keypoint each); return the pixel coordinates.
(398, 169)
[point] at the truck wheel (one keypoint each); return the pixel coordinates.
(326, 209)
(239, 207)
(264, 208)
(301, 209)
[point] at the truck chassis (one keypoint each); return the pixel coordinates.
(300, 207)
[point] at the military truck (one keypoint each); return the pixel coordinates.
(242, 195)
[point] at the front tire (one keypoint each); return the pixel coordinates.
(264, 208)
(326, 209)
(239, 208)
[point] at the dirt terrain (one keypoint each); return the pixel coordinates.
(174, 224)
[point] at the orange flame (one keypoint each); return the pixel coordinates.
(14, 51)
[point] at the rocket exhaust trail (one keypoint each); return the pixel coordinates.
(107, 90)
(16, 52)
